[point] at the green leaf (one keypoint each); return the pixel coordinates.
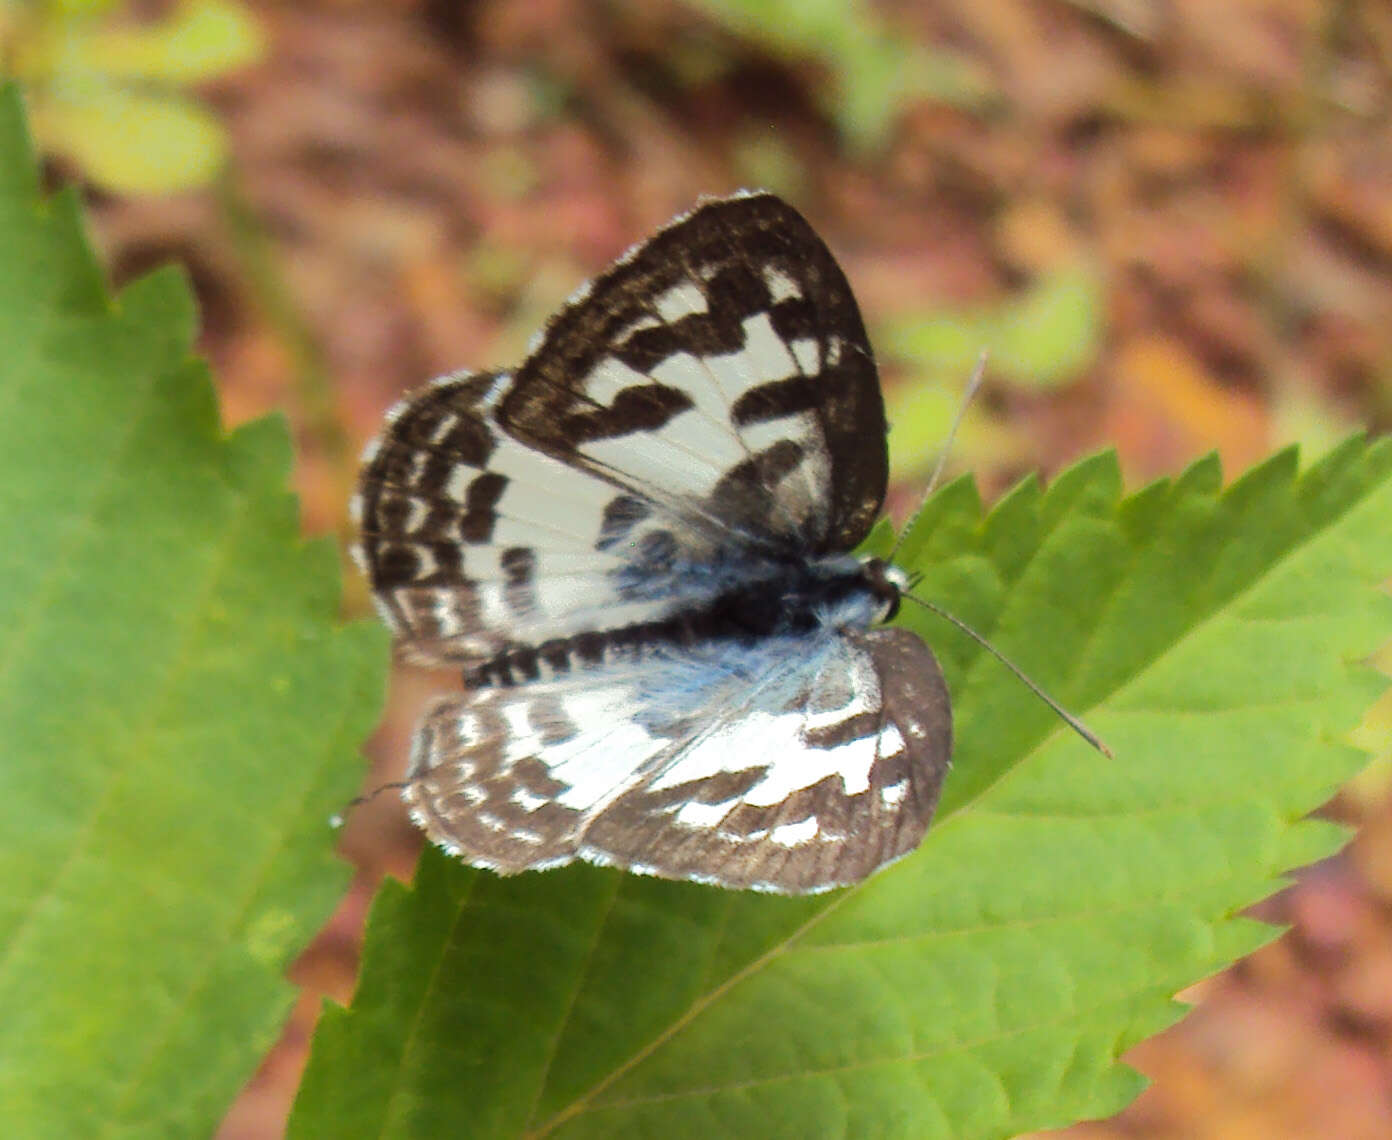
(876, 72)
(1042, 338)
(130, 142)
(986, 985)
(104, 95)
(180, 709)
(921, 417)
(1054, 330)
(201, 40)
(77, 7)
(880, 73)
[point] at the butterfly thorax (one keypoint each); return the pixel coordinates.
(792, 599)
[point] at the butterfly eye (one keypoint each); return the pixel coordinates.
(886, 585)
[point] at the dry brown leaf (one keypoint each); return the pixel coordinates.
(1166, 409)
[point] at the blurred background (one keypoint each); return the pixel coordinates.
(1170, 222)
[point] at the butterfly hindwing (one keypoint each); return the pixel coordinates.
(842, 776)
(743, 772)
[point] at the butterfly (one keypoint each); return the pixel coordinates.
(636, 548)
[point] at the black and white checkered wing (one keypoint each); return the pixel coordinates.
(745, 771)
(722, 369)
(475, 542)
(705, 406)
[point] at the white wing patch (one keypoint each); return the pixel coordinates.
(681, 301)
(779, 711)
(781, 287)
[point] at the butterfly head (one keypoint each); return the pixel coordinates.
(887, 584)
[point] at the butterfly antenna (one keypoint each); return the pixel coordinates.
(973, 385)
(338, 819)
(1067, 717)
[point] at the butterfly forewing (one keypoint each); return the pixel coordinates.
(636, 546)
(723, 367)
(701, 401)
(474, 542)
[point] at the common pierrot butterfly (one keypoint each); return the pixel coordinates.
(637, 548)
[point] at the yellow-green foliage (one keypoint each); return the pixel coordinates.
(109, 95)
(875, 72)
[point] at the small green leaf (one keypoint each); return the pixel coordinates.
(104, 95)
(876, 72)
(1044, 337)
(79, 7)
(879, 74)
(203, 39)
(181, 710)
(920, 418)
(130, 142)
(1054, 330)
